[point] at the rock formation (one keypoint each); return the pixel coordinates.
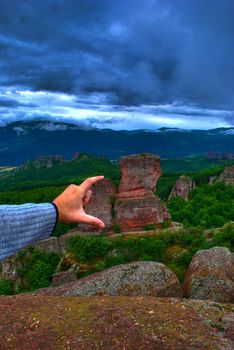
(136, 204)
(211, 276)
(100, 205)
(131, 323)
(227, 176)
(133, 279)
(9, 269)
(184, 185)
(44, 162)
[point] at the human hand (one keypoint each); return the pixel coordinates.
(70, 204)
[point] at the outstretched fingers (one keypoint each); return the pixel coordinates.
(85, 185)
(91, 220)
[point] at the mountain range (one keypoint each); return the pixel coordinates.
(21, 141)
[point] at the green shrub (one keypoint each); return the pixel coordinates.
(225, 238)
(100, 266)
(6, 287)
(117, 228)
(36, 268)
(146, 257)
(149, 227)
(87, 248)
(165, 224)
(149, 246)
(115, 260)
(179, 270)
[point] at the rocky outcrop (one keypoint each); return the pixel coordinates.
(211, 276)
(135, 213)
(44, 162)
(136, 203)
(137, 278)
(184, 185)
(70, 275)
(38, 322)
(100, 205)
(50, 244)
(9, 269)
(227, 176)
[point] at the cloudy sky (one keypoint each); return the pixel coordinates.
(120, 64)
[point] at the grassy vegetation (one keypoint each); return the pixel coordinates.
(173, 248)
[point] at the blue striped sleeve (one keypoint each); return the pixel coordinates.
(23, 224)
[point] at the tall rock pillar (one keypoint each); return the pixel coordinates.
(136, 204)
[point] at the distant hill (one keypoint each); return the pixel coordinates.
(21, 141)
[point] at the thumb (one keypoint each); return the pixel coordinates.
(91, 220)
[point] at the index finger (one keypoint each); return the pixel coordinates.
(86, 184)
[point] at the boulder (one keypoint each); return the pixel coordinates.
(184, 185)
(227, 176)
(100, 205)
(211, 276)
(133, 279)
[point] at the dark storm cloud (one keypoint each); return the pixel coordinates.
(133, 52)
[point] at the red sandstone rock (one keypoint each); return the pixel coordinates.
(139, 172)
(184, 185)
(136, 204)
(100, 204)
(134, 213)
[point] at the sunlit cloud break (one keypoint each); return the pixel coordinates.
(94, 111)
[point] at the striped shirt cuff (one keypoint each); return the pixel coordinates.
(23, 224)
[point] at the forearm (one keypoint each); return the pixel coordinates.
(23, 224)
